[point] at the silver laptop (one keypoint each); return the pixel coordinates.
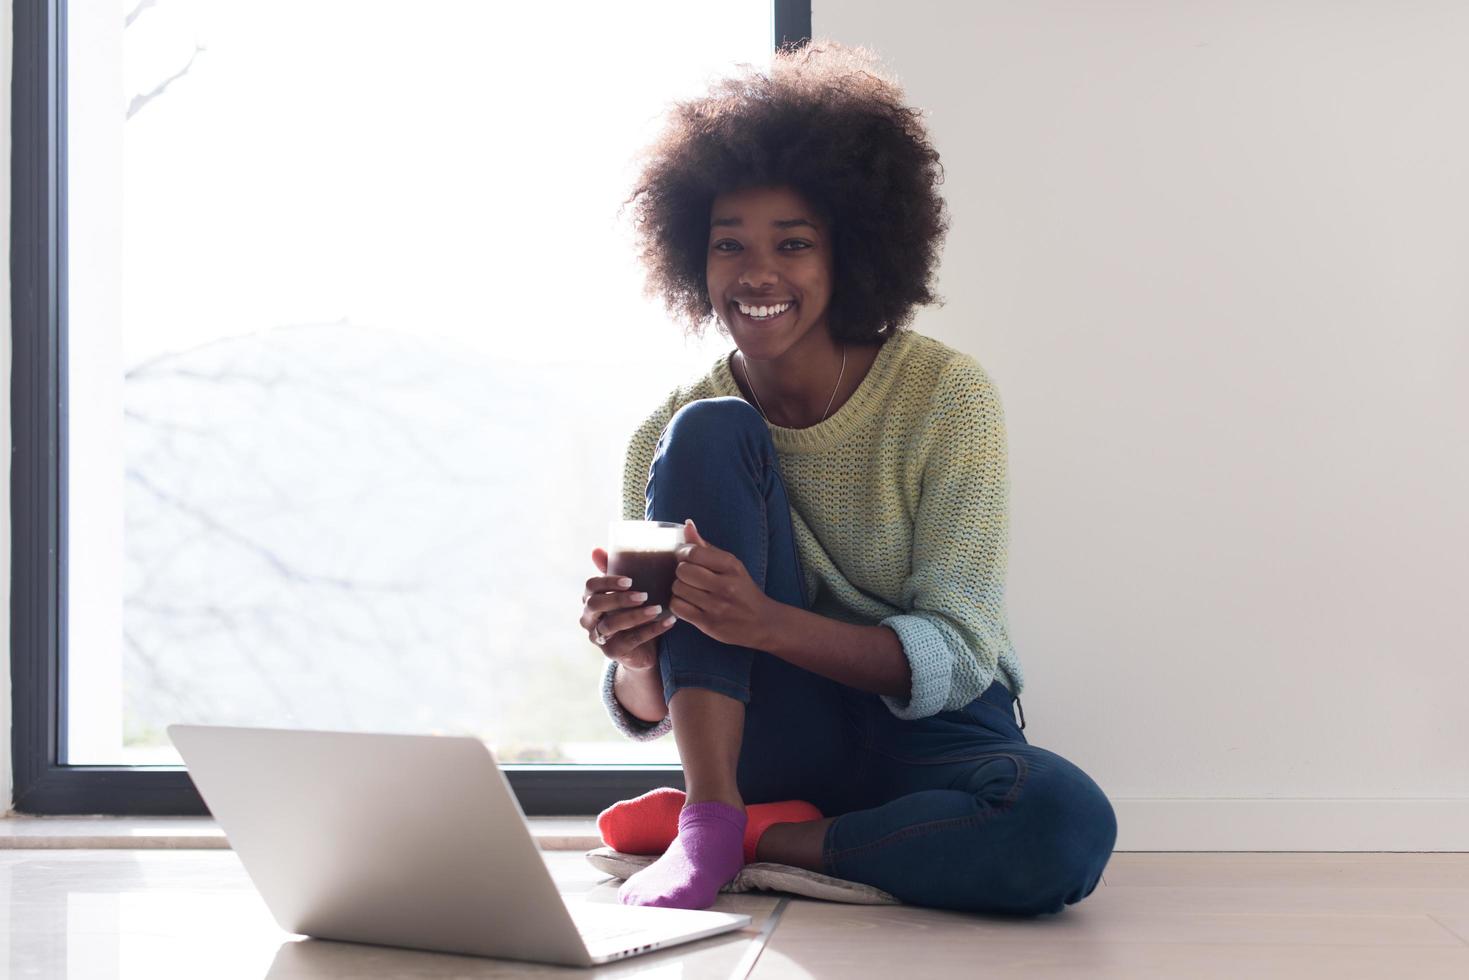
(407, 840)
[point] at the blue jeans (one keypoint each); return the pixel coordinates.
(954, 811)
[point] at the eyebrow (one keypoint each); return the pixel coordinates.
(779, 223)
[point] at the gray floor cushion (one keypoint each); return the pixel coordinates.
(760, 876)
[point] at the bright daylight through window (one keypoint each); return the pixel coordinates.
(356, 340)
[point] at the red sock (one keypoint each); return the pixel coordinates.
(760, 816)
(647, 824)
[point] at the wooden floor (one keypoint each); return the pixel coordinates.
(194, 913)
(1225, 915)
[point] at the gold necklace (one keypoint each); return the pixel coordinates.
(834, 391)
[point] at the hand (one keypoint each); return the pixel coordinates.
(713, 590)
(617, 612)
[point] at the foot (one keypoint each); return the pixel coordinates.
(648, 824)
(707, 853)
(645, 824)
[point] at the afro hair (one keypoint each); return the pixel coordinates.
(828, 122)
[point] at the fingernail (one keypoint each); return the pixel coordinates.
(670, 619)
(624, 582)
(638, 596)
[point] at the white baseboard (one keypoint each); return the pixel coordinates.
(1224, 824)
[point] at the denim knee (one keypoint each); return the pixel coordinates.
(1073, 829)
(708, 419)
(706, 445)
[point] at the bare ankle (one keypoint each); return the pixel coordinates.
(729, 796)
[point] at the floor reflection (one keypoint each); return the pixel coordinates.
(162, 914)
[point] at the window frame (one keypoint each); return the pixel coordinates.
(38, 480)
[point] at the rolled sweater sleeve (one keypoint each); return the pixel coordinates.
(639, 459)
(633, 727)
(955, 629)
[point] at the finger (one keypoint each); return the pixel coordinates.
(597, 606)
(642, 654)
(710, 557)
(697, 553)
(691, 595)
(693, 532)
(703, 598)
(684, 609)
(606, 583)
(648, 631)
(622, 599)
(614, 623)
(599, 558)
(696, 576)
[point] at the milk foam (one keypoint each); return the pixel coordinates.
(647, 537)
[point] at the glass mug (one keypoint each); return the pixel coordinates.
(644, 551)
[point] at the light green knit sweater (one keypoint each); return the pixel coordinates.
(899, 503)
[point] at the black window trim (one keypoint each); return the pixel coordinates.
(38, 479)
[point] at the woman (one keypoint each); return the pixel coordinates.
(837, 641)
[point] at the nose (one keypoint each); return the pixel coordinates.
(757, 271)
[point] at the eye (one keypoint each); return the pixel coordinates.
(796, 241)
(725, 241)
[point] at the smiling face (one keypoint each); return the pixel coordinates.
(769, 253)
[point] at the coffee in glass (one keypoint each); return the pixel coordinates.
(644, 551)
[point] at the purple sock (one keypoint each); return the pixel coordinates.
(707, 853)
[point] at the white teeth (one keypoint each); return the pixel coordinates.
(763, 311)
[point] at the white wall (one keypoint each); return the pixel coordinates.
(1214, 256)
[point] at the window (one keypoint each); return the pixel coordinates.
(327, 343)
